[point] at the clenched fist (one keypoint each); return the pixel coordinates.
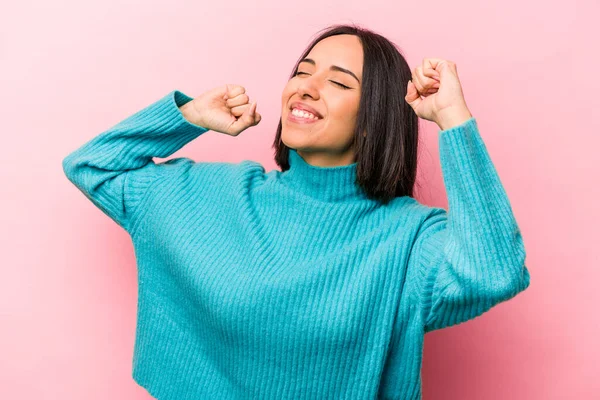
(435, 93)
(225, 109)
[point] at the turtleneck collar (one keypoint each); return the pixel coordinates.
(323, 183)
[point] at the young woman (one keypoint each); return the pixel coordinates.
(318, 281)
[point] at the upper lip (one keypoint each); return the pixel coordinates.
(305, 107)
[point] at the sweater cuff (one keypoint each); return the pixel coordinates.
(468, 124)
(177, 99)
(164, 115)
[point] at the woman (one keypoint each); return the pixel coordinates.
(318, 281)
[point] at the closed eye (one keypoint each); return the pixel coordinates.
(337, 83)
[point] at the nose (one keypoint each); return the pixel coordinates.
(308, 87)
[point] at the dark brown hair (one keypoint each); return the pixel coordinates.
(387, 156)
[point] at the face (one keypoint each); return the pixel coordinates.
(332, 93)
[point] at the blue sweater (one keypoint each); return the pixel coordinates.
(293, 285)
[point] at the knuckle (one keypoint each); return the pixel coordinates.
(236, 90)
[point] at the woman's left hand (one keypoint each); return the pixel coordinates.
(443, 101)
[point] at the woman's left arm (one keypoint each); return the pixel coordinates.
(471, 257)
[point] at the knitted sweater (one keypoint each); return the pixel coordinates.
(294, 285)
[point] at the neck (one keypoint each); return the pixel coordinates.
(322, 159)
(331, 184)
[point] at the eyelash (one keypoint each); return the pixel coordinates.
(337, 83)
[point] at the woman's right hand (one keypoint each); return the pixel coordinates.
(225, 109)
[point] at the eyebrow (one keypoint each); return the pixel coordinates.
(333, 67)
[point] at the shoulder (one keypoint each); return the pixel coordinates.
(228, 173)
(415, 210)
(214, 178)
(212, 170)
(204, 176)
(424, 219)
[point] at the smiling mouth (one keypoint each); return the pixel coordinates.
(315, 114)
(302, 120)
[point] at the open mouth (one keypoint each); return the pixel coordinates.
(304, 116)
(301, 117)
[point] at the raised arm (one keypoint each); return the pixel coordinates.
(471, 257)
(115, 169)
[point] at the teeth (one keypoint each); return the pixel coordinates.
(303, 114)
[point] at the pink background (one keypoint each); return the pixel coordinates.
(71, 69)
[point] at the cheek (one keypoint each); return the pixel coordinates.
(288, 91)
(345, 111)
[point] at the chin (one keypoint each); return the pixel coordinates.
(292, 141)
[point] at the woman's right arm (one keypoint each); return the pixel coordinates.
(115, 169)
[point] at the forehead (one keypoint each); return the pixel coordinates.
(343, 50)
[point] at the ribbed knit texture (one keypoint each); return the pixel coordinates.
(294, 285)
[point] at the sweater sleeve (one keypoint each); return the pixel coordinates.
(472, 256)
(115, 169)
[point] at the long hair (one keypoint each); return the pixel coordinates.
(387, 156)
